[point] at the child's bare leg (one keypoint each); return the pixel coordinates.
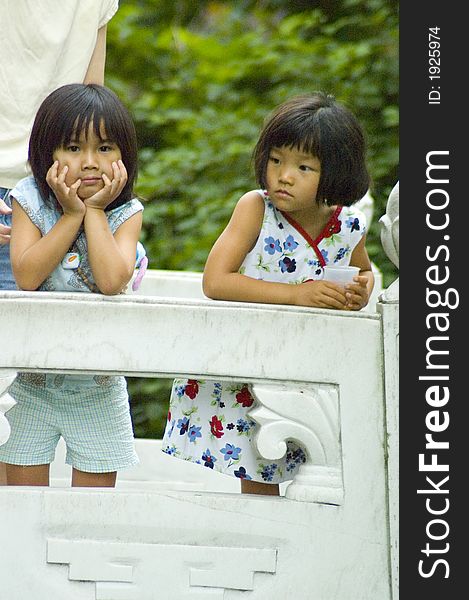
(82, 479)
(257, 487)
(3, 474)
(27, 475)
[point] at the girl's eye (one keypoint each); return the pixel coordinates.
(274, 159)
(306, 168)
(73, 148)
(106, 148)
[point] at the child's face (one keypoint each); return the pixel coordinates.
(292, 179)
(87, 159)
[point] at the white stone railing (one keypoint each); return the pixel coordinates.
(317, 375)
(165, 337)
(324, 378)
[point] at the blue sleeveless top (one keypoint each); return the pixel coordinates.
(79, 279)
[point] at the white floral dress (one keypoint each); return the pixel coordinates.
(208, 421)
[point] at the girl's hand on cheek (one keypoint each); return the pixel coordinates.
(112, 188)
(66, 196)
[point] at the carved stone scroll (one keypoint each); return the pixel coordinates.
(309, 416)
(390, 240)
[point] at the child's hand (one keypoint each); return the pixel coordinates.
(357, 293)
(4, 229)
(320, 294)
(66, 196)
(111, 189)
(4, 235)
(4, 208)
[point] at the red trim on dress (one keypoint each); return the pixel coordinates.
(332, 226)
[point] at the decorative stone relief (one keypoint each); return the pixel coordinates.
(390, 240)
(6, 402)
(310, 416)
(140, 571)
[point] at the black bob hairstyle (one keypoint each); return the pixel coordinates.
(316, 124)
(68, 111)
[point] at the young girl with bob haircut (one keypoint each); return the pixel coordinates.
(75, 228)
(310, 163)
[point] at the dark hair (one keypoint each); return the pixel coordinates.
(69, 110)
(316, 124)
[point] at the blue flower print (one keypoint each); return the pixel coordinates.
(180, 390)
(244, 426)
(353, 223)
(183, 425)
(299, 456)
(171, 450)
(287, 264)
(231, 452)
(317, 269)
(171, 429)
(340, 254)
(295, 458)
(194, 433)
(289, 244)
(267, 471)
(216, 395)
(208, 459)
(271, 245)
(314, 262)
(241, 473)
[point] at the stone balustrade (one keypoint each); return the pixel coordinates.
(324, 378)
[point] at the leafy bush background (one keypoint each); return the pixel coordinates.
(199, 79)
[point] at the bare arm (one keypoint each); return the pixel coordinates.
(359, 293)
(111, 257)
(33, 256)
(95, 72)
(222, 281)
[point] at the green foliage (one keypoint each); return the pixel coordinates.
(199, 79)
(149, 405)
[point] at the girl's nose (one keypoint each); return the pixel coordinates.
(90, 160)
(285, 176)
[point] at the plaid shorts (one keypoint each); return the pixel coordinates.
(92, 414)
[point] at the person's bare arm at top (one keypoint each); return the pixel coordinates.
(95, 72)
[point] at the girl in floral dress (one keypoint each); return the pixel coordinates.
(310, 164)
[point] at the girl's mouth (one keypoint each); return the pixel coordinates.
(283, 193)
